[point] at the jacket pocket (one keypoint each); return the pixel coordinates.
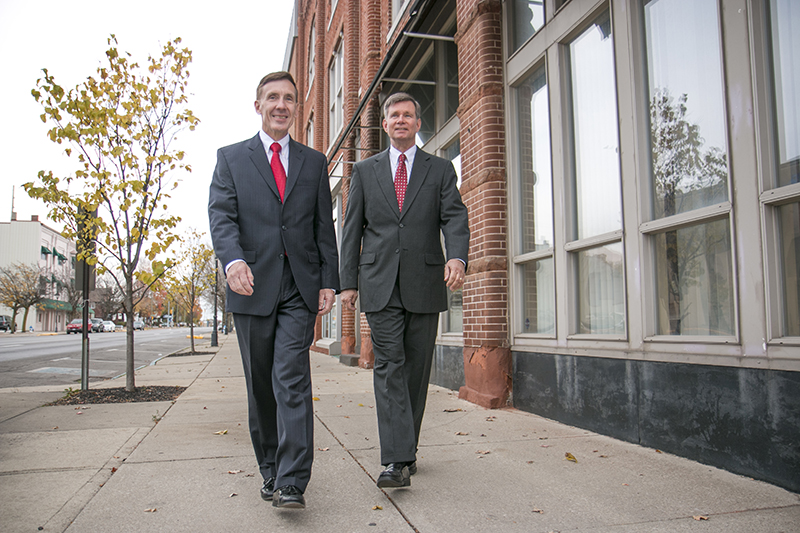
(313, 257)
(434, 259)
(366, 259)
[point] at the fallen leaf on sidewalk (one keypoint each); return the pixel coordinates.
(361, 405)
(545, 445)
(491, 418)
(232, 495)
(323, 449)
(700, 517)
(569, 457)
(484, 452)
(452, 410)
(315, 399)
(223, 432)
(153, 510)
(235, 471)
(113, 469)
(659, 451)
(377, 508)
(462, 433)
(535, 510)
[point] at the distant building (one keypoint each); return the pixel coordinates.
(32, 243)
(632, 174)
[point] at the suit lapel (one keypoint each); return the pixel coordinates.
(383, 175)
(259, 158)
(418, 174)
(296, 159)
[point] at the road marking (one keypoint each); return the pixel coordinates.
(62, 359)
(61, 370)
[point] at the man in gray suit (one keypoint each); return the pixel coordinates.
(271, 224)
(400, 203)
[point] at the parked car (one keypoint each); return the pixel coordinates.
(109, 326)
(76, 326)
(5, 322)
(138, 324)
(97, 325)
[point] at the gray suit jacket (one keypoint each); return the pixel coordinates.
(381, 245)
(248, 221)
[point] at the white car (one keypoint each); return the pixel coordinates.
(109, 326)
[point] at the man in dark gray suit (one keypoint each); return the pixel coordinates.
(401, 201)
(272, 227)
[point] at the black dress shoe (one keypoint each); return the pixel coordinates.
(395, 475)
(412, 468)
(289, 497)
(268, 489)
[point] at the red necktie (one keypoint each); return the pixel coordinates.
(277, 169)
(400, 180)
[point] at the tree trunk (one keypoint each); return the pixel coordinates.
(25, 320)
(14, 321)
(130, 378)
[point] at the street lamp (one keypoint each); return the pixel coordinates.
(216, 276)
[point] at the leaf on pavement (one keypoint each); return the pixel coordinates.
(323, 449)
(315, 399)
(235, 471)
(153, 510)
(462, 433)
(223, 432)
(452, 410)
(569, 457)
(232, 495)
(700, 517)
(535, 510)
(484, 452)
(377, 508)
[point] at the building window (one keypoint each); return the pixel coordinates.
(330, 322)
(782, 200)
(527, 17)
(533, 255)
(454, 317)
(596, 251)
(336, 96)
(312, 53)
(310, 131)
(689, 167)
(397, 8)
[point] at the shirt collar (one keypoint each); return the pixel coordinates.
(394, 154)
(267, 141)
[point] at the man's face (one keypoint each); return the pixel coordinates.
(277, 103)
(402, 125)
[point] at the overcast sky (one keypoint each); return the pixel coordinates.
(233, 45)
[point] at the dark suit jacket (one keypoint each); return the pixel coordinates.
(248, 221)
(380, 243)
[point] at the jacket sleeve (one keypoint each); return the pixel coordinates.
(223, 213)
(454, 219)
(352, 232)
(325, 234)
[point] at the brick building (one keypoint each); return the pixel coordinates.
(632, 174)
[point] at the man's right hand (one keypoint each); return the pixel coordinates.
(348, 298)
(240, 278)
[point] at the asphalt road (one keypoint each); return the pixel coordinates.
(32, 359)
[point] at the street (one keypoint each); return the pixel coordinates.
(31, 360)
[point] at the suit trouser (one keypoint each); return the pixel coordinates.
(403, 344)
(276, 366)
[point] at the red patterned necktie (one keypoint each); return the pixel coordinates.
(277, 169)
(400, 180)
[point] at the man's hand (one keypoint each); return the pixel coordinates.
(240, 278)
(349, 297)
(454, 274)
(326, 299)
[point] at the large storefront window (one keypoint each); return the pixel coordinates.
(597, 205)
(689, 163)
(534, 248)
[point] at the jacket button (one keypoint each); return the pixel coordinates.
(281, 257)
(397, 251)
(402, 225)
(283, 228)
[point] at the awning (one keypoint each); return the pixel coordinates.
(46, 250)
(58, 305)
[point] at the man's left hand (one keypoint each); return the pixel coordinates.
(326, 299)
(454, 274)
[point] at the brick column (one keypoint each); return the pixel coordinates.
(487, 357)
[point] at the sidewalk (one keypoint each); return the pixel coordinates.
(162, 466)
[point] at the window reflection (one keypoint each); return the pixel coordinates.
(595, 140)
(687, 118)
(538, 293)
(789, 232)
(536, 187)
(601, 307)
(527, 18)
(785, 19)
(694, 280)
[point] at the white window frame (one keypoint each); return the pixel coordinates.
(336, 93)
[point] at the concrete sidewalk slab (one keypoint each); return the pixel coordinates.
(14, 403)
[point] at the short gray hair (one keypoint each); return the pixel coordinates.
(396, 98)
